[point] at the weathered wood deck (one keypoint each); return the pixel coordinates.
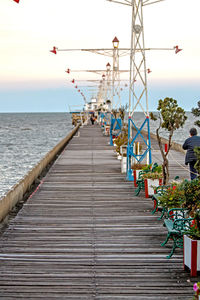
(84, 235)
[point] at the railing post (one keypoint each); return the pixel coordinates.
(129, 173)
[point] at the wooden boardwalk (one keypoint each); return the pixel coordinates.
(84, 235)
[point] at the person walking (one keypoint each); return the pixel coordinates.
(189, 145)
(92, 120)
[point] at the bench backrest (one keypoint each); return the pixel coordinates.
(178, 213)
(182, 224)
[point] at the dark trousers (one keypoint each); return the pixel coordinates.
(192, 170)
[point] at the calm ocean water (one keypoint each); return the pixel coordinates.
(26, 138)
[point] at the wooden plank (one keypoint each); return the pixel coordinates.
(84, 235)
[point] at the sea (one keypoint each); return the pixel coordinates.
(25, 138)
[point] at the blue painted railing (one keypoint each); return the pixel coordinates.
(130, 147)
(115, 125)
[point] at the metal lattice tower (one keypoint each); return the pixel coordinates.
(138, 62)
(138, 70)
(138, 93)
(101, 95)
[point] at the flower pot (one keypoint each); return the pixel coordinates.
(123, 164)
(150, 185)
(135, 176)
(191, 255)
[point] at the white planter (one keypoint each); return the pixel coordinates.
(191, 255)
(123, 164)
(150, 185)
(119, 157)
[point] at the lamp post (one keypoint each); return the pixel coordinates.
(114, 53)
(109, 94)
(116, 73)
(106, 80)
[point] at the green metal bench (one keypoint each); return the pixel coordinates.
(160, 190)
(176, 223)
(140, 180)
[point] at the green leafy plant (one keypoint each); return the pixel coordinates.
(171, 117)
(121, 140)
(158, 169)
(194, 231)
(115, 113)
(192, 195)
(147, 167)
(174, 196)
(122, 113)
(196, 113)
(152, 175)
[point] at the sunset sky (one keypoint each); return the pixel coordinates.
(33, 79)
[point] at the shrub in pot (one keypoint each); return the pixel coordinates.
(192, 235)
(137, 167)
(152, 180)
(191, 257)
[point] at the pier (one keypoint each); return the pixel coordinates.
(84, 235)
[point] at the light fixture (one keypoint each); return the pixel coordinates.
(115, 42)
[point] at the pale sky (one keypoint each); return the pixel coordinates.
(30, 29)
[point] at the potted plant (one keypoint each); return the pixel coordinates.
(196, 288)
(152, 180)
(173, 197)
(192, 235)
(137, 167)
(191, 254)
(171, 117)
(122, 113)
(121, 140)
